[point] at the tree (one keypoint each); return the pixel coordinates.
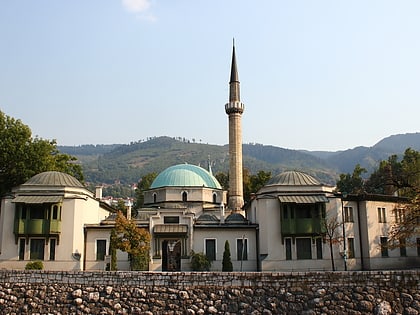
(223, 180)
(113, 250)
(352, 183)
(227, 262)
(22, 156)
(144, 184)
(331, 227)
(394, 176)
(253, 183)
(134, 241)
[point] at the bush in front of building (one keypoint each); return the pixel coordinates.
(34, 265)
(200, 262)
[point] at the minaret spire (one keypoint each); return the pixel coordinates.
(234, 108)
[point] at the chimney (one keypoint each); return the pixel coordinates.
(98, 192)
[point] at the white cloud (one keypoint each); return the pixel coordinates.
(136, 6)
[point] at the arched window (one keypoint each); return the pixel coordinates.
(214, 197)
(154, 198)
(184, 196)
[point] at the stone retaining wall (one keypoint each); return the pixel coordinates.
(48, 292)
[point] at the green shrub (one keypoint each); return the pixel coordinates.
(200, 262)
(34, 265)
(227, 261)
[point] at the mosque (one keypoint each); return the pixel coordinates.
(287, 226)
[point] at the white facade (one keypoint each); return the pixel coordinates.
(43, 219)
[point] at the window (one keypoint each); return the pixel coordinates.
(100, 249)
(214, 197)
(37, 249)
(303, 248)
(36, 212)
(242, 249)
(154, 197)
(403, 249)
(319, 248)
(384, 246)
(381, 215)
(399, 215)
(21, 249)
(170, 219)
(53, 242)
(55, 212)
(210, 244)
(350, 249)
(23, 213)
(348, 214)
(184, 196)
(288, 249)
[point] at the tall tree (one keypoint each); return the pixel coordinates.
(227, 261)
(253, 182)
(394, 176)
(332, 234)
(144, 184)
(22, 156)
(352, 183)
(132, 240)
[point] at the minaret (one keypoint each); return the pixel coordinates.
(234, 109)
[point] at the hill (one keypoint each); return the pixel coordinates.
(127, 163)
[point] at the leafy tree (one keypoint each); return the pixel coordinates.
(331, 227)
(223, 180)
(394, 176)
(352, 183)
(409, 226)
(134, 241)
(227, 261)
(253, 183)
(200, 262)
(144, 184)
(22, 156)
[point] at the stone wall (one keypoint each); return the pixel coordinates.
(47, 292)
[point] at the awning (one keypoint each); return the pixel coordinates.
(38, 199)
(170, 229)
(303, 198)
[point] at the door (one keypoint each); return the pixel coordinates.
(171, 255)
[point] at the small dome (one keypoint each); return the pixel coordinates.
(207, 218)
(185, 175)
(294, 178)
(53, 178)
(235, 218)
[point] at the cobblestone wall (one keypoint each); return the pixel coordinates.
(46, 292)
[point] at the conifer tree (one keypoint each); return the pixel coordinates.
(227, 262)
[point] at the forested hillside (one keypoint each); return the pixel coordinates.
(129, 162)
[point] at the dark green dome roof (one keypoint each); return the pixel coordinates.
(185, 175)
(53, 178)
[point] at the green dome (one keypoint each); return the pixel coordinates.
(185, 175)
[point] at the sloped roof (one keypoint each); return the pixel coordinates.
(185, 175)
(53, 178)
(294, 178)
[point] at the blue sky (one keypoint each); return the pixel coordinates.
(316, 75)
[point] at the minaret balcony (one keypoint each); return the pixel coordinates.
(234, 107)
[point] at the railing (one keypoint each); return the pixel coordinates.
(302, 226)
(37, 227)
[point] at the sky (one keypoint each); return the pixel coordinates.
(315, 75)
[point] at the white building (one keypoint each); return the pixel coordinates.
(44, 218)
